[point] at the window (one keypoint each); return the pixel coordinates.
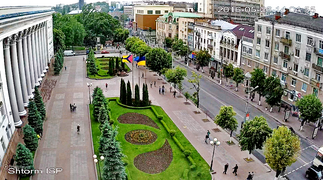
(285, 63)
(277, 46)
(315, 91)
(306, 72)
(277, 32)
(318, 77)
(150, 12)
(308, 57)
(304, 87)
(275, 60)
(296, 67)
(268, 30)
(287, 36)
(267, 43)
(283, 77)
(250, 51)
(321, 44)
(140, 11)
(298, 38)
(266, 56)
(259, 28)
(257, 53)
(293, 82)
(309, 41)
(256, 65)
(3, 145)
(157, 12)
(8, 131)
(319, 61)
(286, 50)
(274, 73)
(258, 41)
(249, 63)
(265, 69)
(244, 49)
(297, 52)
(166, 11)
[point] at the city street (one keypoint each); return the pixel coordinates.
(213, 96)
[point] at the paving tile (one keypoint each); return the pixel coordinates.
(78, 165)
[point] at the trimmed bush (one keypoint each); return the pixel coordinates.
(193, 167)
(191, 160)
(129, 95)
(185, 174)
(187, 153)
(165, 125)
(172, 132)
(178, 143)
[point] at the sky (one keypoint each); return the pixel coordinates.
(317, 4)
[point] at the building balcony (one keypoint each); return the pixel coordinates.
(284, 56)
(318, 51)
(315, 82)
(190, 27)
(287, 42)
(210, 37)
(210, 46)
(317, 68)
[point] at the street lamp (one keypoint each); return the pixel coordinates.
(214, 143)
(89, 86)
(249, 90)
(96, 161)
(173, 52)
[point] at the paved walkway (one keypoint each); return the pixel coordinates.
(61, 146)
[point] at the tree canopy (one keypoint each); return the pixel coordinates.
(273, 91)
(120, 35)
(258, 78)
(158, 59)
(195, 81)
(176, 75)
(238, 76)
(168, 42)
(226, 119)
(203, 58)
(310, 108)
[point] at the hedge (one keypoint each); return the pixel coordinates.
(165, 125)
(185, 174)
(178, 143)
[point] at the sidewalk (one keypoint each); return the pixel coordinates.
(277, 116)
(195, 129)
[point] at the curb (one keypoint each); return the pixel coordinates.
(92, 147)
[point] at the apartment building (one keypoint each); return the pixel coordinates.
(290, 46)
(205, 7)
(128, 10)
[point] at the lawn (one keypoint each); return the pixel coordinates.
(103, 66)
(179, 163)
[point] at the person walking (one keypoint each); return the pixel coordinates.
(208, 133)
(159, 90)
(163, 90)
(170, 89)
(252, 174)
(235, 169)
(206, 138)
(142, 75)
(65, 68)
(71, 107)
(226, 166)
(175, 94)
(151, 84)
(78, 128)
(155, 83)
(106, 85)
(249, 177)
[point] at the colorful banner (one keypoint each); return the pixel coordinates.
(141, 61)
(127, 58)
(193, 55)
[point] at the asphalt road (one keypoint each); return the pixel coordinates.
(212, 97)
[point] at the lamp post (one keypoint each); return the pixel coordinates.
(97, 161)
(89, 86)
(214, 143)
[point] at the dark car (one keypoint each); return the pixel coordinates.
(313, 172)
(88, 51)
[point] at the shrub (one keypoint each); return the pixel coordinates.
(111, 121)
(172, 132)
(178, 143)
(187, 153)
(187, 95)
(185, 174)
(160, 117)
(193, 167)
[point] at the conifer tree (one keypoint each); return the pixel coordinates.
(95, 91)
(34, 118)
(121, 90)
(124, 92)
(40, 104)
(98, 101)
(24, 159)
(129, 93)
(103, 116)
(145, 96)
(107, 134)
(137, 96)
(30, 138)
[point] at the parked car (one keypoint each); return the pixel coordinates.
(88, 51)
(104, 52)
(69, 53)
(314, 173)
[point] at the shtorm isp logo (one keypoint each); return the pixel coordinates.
(27, 170)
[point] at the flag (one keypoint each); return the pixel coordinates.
(141, 61)
(193, 55)
(127, 58)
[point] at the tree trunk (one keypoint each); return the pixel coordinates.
(249, 155)
(271, 109)
(259, 102)
(198, 99)
(237, 87)
(277, 173)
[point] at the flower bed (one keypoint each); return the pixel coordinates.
(141, 137)
(136, 118)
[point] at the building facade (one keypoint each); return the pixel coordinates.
(26, 48)
(128, 10)
(290, 46)
(205, 7)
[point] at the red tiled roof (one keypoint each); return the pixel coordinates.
(243, 30)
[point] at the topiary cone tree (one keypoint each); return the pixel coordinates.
(24, 159)
(40, 104)
(34, 118)
(137, 96)
(129, 93)
(30, 138)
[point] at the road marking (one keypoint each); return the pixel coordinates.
(302, 160)
(297, 168)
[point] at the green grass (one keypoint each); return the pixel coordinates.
(179, 163)
(103, 65)
(76, 48)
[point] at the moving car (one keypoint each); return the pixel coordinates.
(314, 173)
(104, 52)
(69, 53)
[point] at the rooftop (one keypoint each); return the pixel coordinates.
(224, 25)
(182, 14)
(243, 30)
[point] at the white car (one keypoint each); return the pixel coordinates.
(69, 53)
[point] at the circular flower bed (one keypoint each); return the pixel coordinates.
(136, 118)
(141, 137)
(155, 161)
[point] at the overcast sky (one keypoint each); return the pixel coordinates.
(318, 4)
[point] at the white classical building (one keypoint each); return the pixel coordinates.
(26, 47)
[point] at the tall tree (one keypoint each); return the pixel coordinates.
(25, 160)
(203, 58)
(228, 71)
(258, 78)
(157, 59)
(226, 119)
(103, 116)
(99, 101)
(129, 95)
(145, 95)
(59, 39)
(124, 92)
(195, 81)
(253, 134)
(121, 90)
(238, 76)
(137, 96)
(30, 138)
(107, 134)
(34, 118)
(176, 75)
(310, 108)
(130, 42)
(168, 42)
(281, 149)
(273, 91)
(40, 104)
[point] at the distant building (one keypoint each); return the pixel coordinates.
(128, 10)
(81, 3)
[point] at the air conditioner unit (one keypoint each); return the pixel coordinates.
(307, 65)
(295, 73)
(290, 68)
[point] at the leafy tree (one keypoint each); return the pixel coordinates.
(203, 58)
(253, 134)
(310, 108)
(238, 76)
(129, 94)
(168, 42)
(157, 59)
(120, 35)
(123, 97)
(137, 96)
(195, 81)
(99, 101)
(34, 118)
(187, 95)
(30, 138)
(40, 104)
(226, 119)
(59, 39)
(273, 91)
(179, 47)
(176, 75)
(103, 116)
(130, 42)
(25, 160)
(258, 78)
(281, 149)
(228, 71)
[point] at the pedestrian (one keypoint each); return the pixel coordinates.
(206, 137)
(155, 83)
(151, 84)
(65, 68)
(71, 107)
(249, 177)
(159, 90)
(83, 58)
(39, 138)
(235, 169)
(106, 85)
(225, 168)
(252, 174)
(163, 90)
(208, 133)
(170, 89)
(78, 127)
(175, 94)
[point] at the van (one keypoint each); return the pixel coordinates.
(69, 53)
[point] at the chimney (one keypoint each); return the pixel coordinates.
(315, 16)
(286, 11)
(277, 15)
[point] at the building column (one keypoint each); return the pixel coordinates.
(43, 49)
(35, 57)
(11, 87)
(26, 65)
(22, 73)
(31, 61)
(40, 59)
(16, 77)
(46, 45)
